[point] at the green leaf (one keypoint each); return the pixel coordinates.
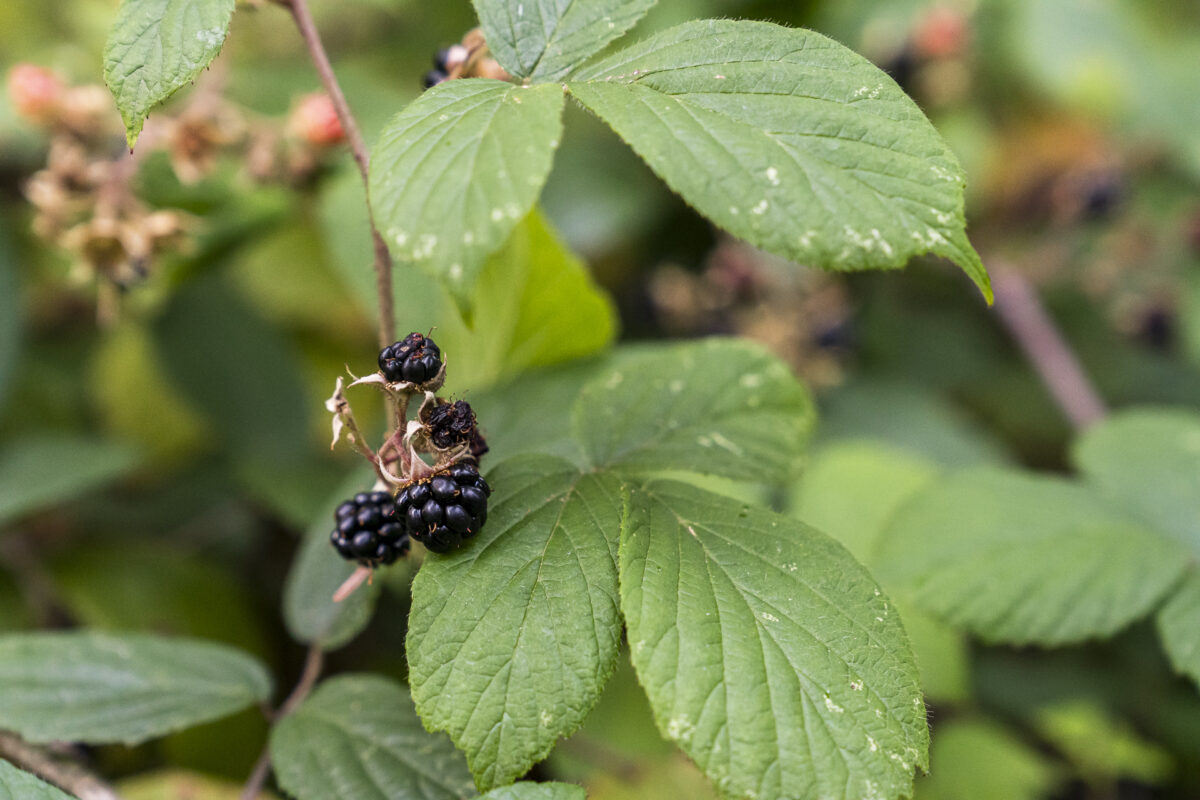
(984, 760)
(789, 140)
(537, 791)
(1179, 627)
(512, 637)
(1023, 559)
(309, 612)
(768, 654)
(18, 785)
(38, 472)
(544, 39)
(179, 784)
(1149, 460)
(98, 688)
(358, 737)
(719, 406)
(456, 170)
(11, 322)
(1100, 747)
(157, 46)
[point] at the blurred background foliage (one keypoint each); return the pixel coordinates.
(156, 471)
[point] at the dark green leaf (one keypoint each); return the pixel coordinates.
(790, 141)
(127, 688)
(357, 737)
(512, 637)
(18, 785)
(767, 652)
(40, 472)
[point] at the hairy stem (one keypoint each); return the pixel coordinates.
(311, 672)
(1022, 312)
(68, 776)
(358, 148)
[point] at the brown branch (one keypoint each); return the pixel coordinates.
(313, 662)
(1022, 312)
(358, 148)
(68, 776)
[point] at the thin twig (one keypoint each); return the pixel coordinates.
(358, 148)
(311, 672)
(68, 776)
(1022, 312)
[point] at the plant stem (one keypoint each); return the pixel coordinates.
(1022, 312)
(309, 674)
(70, 777)
(358, 148)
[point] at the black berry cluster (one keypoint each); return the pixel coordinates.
(446, 509)
(415, 359)
(369, 530)
(453, 424)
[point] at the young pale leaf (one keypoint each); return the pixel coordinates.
(157, 46)
(1179, 627)
(512, 637)
(984, 760)
(542, 40)
(308, 608)
(49, 470)
(18, 785)
(720, 406)
(455, 172)
(790, 141)
(98, 688)
(537, 791)
(767, 652)
(359, 737)
(1023, 559)
(1149, 460)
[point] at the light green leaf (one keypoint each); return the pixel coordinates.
(1149, 461)
(1179, 627)
(456, 170)
(768, 654)
(788, 140)
(1024, 559)
(98, 687)
(358, 737)
(157, 46)
(512, 637)
(181, 784)
(544, 39)
(308, 608)
(984, 760)
(42, 471)
(719, 406)
(537, 791)
(1100, 747)
(18, 785)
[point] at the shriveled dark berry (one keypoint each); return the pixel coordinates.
(415, 359)
(369, 530)
(452, 424)
(444, 510)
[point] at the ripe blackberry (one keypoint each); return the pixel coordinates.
(415, 359)
(445, 509)
(369, 530)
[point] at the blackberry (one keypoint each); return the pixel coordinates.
(450, 424)
(415, 359)
(446, 509)
(369, 530)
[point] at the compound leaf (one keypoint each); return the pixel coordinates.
(768, 653)
(359, 737)
(157, 46)
(98, 688)
(789, 140)
(512, 637)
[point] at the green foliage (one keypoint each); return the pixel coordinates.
(1100, 748)
(99, 687)
(18, 785)
(456, 170)
(158, 46)
(986, 761)
(358, 737)
(536, 791)
(788, 140)
(40, 472)
(10, 315)
(545, 39)
(1179, 626)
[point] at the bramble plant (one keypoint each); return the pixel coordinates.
(618, 508)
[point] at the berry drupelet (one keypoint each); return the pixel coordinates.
(369, 530)
(446, 509)
(415, 359)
